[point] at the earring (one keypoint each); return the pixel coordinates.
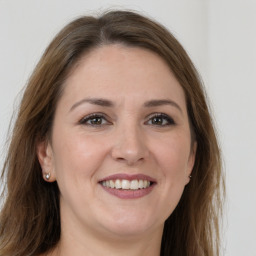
(190, 176)
(47, 176)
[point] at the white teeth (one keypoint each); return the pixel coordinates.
(118, 184)
(112, 183)
(134, 184)
(141, 184)
(126, 184)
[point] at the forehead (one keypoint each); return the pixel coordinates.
(117, 70)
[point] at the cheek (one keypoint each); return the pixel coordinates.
(77, 156)
(172, 156)
(172, 159)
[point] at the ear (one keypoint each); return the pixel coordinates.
(46, 160)
(191, 161)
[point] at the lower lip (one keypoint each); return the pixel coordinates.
(129, 194)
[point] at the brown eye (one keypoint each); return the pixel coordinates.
(94, 120)
(160, 120)
(157, 120)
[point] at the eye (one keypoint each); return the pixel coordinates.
(94, 120)
(160, 119)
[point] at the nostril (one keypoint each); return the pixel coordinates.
(128, 156)
(129, 161)
(129, 147)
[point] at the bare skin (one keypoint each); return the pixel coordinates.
(122, 114)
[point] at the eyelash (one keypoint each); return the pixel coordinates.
(167, 118)
(85, 120)
(90, 117)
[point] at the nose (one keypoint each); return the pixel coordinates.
(129, 146)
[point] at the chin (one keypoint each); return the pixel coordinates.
(131, 225)
(128, 231)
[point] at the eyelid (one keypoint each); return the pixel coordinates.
(86, 118)
(164, 116)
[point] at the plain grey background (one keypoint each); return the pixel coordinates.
(220, 37)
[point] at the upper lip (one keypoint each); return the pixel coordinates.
(124, 176)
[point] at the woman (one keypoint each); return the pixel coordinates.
(113, 151)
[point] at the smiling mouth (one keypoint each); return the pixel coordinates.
(123, 184)
(126, 186)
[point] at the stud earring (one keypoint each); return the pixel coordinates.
(190, 176)
(47, 176)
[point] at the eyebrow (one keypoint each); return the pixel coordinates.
(107, 103)
(94, 101)
(157, 103)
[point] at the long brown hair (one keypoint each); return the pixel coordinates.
(30, 219)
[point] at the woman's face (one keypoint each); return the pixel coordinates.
(121, 145)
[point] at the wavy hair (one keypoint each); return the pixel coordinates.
(30, 217)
